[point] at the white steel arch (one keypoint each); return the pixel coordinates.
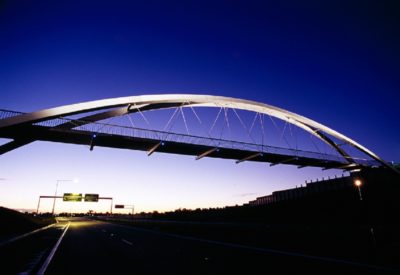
(151, 102)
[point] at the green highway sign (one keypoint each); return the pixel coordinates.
(72, 197)
(91, 197)
(119, 206)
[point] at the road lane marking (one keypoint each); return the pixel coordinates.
(26, 234)
(127, 242)
(104, 230)
(53, 251)
(265, 250)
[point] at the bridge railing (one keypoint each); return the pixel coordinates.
(164, 136)
(7, 114)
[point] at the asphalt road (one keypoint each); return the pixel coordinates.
(26, 255)
(96, 247)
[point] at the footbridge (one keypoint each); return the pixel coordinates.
(197, 125)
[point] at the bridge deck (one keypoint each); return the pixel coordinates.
(42, 133)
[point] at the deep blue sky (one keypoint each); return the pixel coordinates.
(334, 61)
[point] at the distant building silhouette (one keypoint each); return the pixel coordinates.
(311, 188)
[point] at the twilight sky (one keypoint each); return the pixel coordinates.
(333, 61)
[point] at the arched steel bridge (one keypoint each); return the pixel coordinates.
(56, 124)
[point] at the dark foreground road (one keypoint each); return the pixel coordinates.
(27, 254)
(96, 247)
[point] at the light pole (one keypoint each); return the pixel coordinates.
(37, 209)
(358, 183)
(55, 193)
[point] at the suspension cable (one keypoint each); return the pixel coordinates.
(202, 126)
(263, 132)
(311, 138)
(227, 122)
(222, 131)
(170, 123)
(130, 120)
(277, 129)
(170, 120)
(254, 121)
(291, 134)
(184, 120)
(194, 112)
(215, 121)
(143, 116)
(244, 126)
(132, 124)
(145, 119)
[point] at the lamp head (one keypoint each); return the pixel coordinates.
(357, 182)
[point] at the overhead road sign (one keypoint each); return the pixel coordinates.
(72, 197)
(91, 197)
(125, 206)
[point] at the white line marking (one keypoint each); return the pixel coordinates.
(127, 242)
(104, 230)
(265, 250)
(53, 251)
(26, 234)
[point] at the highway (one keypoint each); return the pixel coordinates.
(91, 247)
(98, 247)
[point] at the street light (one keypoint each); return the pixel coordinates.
(55, 194)
(358, 183)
